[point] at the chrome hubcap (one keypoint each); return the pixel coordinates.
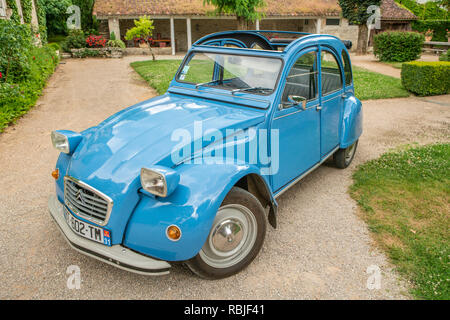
(231, 238)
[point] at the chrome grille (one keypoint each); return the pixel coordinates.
(86, 201)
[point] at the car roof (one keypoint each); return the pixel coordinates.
(279, 42)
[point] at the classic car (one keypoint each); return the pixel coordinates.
(193, 176)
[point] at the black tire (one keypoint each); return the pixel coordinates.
(237, 197)
(344, 157)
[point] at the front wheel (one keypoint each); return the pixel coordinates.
(235, 239)
(343, 157)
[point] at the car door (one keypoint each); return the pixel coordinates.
(298, 125)
(331, 101)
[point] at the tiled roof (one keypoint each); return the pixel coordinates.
(392, 11)
(196, 7)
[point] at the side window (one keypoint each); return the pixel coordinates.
(331, 73)
(347, 68)
(302, 79)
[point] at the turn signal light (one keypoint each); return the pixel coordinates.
(55, 174)
(174, 233)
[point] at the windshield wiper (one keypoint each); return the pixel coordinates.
(250, 89)
(198, 85)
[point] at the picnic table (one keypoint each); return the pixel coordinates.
(436, 47)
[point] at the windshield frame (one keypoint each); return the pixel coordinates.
(230, 51)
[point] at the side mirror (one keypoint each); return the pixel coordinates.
(297, 101)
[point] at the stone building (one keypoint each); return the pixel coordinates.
(179, 23)
(6, 12)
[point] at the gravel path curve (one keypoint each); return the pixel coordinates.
(321, 249)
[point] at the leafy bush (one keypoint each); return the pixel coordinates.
(15, 43)
(17, 98)
(398, 46)
(55, 46)
(75, 40)
(116, 44)
(439, 28)
(112, 35)
(426, 78)
(445, 56)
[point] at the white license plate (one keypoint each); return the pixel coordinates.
(88, 230)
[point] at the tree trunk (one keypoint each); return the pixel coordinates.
(242, 23)
(151, 50)
(363, 33)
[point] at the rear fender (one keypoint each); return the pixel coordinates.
(351, 122)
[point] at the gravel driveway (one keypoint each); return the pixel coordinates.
(321, 249)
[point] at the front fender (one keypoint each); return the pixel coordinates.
(351, 122)
(192, 207)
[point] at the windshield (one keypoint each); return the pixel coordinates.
(231, 72)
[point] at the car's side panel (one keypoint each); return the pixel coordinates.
(192, 207)
(351, 122)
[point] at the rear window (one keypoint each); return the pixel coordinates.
(347, 68)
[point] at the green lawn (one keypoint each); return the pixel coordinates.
(404, 197)
(368, 84)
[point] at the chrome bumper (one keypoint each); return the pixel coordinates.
(116, 255)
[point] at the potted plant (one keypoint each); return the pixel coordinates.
(428, 35)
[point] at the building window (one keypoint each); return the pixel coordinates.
(2, 8)
(333, 22)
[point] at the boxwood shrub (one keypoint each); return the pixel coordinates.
(396, 46)
(426, 78)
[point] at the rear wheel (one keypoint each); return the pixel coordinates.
(343, 157)
(235, 239)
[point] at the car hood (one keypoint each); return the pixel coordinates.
(110, 155)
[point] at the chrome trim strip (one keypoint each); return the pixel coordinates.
(104, 197)
(290, 184)
(287, 115)
(338, 96)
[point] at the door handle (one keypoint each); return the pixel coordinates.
(318, 108)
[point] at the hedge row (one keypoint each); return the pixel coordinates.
(426, 78)
(398, 46)
(439, 28)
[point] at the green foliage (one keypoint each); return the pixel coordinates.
(430, 10)
(112, 36)
(398, 46)
(85, 52)
(439, 28)
(27, 10)
(116, 44)
(143, 29)
(75, 40)
(426, 78)
(15, 11)
(56, 15)
(88, 21)
(55, 46)
(404, 197)
(40, 11)
(355, 11)
(16, 98)
(445, 56)
(246, 9)
(15, 43)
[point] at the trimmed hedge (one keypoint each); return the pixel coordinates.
(398, 46)
(426, 78)
(445, 56)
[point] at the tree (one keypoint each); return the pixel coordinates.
(143, 30)
(56, 15)
(355, 11)
(245, 10)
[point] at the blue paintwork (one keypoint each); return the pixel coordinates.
(109, 157)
